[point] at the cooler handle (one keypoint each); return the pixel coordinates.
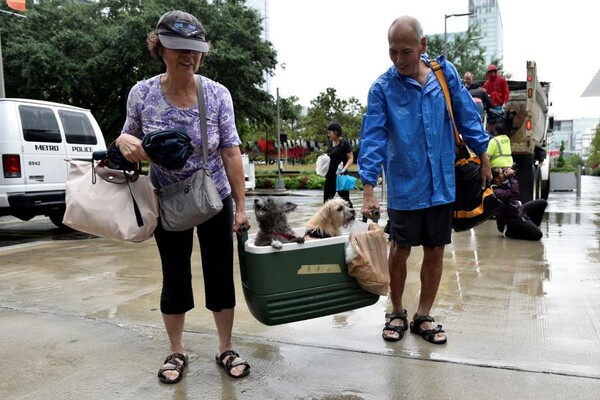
(375, 214)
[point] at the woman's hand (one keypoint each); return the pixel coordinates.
(240, 219)
(131, 148)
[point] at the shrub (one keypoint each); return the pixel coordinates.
(565, 168)
(264, 182)
(302, 181)
(315, 182)
(292, 182)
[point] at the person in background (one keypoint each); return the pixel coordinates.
(339, 152)
(516, 220)
(468, 81)
(497, 88)
(499, 151)
(170, 100)
(481, 97)
(407, 125)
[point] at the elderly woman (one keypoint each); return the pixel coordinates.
(170, 100)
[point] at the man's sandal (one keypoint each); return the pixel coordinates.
(174, 362)
(427, 334)
(399, 329)
(233, 360)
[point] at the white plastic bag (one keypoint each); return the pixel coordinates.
(322, 164)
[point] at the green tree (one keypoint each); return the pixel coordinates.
(560, 161)
(574, 160)
(465, 52)
(290, 112)
(90, 55)
(239, 57)
(593, 159)
(328, 107)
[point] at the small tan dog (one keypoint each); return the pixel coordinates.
(334, 215)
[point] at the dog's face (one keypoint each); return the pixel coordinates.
(273, 225)
(331, 217)
(271, 215)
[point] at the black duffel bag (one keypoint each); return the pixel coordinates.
(473, 205)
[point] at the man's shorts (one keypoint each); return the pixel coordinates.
(428, 227)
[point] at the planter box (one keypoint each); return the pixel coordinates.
(563, 181)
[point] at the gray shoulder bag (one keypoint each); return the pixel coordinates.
(194, 200)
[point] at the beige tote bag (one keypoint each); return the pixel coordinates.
(110, 203)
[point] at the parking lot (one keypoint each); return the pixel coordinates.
(79, 319)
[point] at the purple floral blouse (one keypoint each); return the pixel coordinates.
(149, 110)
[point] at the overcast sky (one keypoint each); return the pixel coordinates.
(343, 44)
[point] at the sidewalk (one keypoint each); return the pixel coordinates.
(79, 320)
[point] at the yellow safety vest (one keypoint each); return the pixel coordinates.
(499, 152)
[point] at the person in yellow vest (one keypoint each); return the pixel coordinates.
(500, 156)
(499, 151)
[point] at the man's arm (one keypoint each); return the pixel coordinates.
(234, 168)
(369, 201)
(506, 92)
(486, 170)
(485, 97)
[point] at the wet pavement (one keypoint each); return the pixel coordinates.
(79, 319)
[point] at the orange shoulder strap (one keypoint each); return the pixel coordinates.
(437, 70)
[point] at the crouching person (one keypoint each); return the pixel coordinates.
(516, 220)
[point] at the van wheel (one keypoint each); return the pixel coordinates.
(57, 218)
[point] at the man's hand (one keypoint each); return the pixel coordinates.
(369, 201)
(486, 170)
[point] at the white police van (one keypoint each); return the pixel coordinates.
(35, 139)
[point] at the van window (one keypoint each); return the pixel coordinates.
(78, 128)
(39, 124)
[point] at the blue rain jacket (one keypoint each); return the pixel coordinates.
(407, 128)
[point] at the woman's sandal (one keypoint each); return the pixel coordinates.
(427, 334)
(174, 362)
(396, 328)
(233, 360)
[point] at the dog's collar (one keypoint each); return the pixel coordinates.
(316, 233)
(287, 236)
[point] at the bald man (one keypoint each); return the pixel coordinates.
(407, 125)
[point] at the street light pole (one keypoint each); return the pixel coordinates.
(279, 184)
(446, 16)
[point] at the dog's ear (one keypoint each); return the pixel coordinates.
(289, 206)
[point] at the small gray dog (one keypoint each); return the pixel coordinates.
(274, 229)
